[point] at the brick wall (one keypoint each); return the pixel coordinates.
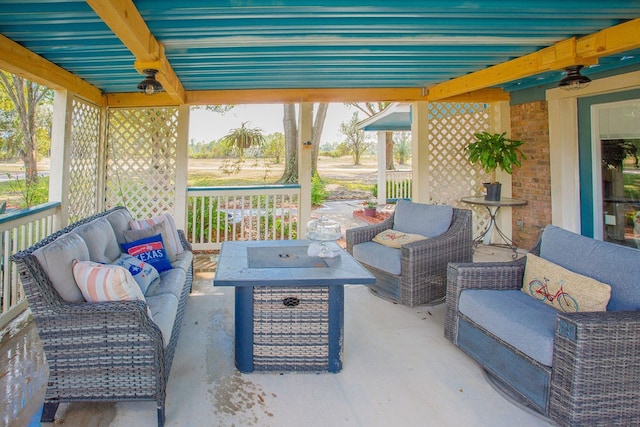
(530, 123)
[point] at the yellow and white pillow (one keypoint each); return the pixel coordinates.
(395, 239)
(543, 279)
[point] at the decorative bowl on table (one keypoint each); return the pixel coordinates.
(320, 231)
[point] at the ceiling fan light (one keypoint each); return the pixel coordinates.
(149, 84)
(573, 79)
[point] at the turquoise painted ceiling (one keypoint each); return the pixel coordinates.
(255, 44)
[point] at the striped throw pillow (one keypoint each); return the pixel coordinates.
(173, 239)
(105, 282)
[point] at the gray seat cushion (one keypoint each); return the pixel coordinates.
(425, 220)
(379, 256)
(514, 317)
(169, 282)
(164, 308)
(100, 239)
(56, 259)
(615, 265)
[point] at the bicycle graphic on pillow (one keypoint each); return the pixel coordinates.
(539, 291)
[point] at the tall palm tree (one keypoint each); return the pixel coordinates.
(244, 137)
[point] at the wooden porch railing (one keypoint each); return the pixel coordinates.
(398, 185)
(218, 214)
(18, 231)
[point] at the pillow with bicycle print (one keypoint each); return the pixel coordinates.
(563, 289)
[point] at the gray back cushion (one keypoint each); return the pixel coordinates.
(56, 260)
(119, 221)
(615, 265)
(100, 239)
(419, 218)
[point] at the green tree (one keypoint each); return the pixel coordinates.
(290, 174)
(26, 97)
(10, 136)
(370, 109)
(215, 108)
(274, 146)
(354, 138)
(402, 147)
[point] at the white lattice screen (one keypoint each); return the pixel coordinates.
(451, 129)
(141, 160)
(83, 168)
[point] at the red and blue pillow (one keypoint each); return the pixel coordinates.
(150, 250)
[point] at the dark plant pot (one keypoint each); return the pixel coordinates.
(370, 212)
(493, 191)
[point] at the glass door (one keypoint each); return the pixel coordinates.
(616, 130)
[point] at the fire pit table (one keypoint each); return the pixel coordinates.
(289, 306)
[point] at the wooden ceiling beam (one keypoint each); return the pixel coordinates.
(122, 17)
(610, 41)
(286, 96)
(558, 56)
(22, 62)
(583, 51)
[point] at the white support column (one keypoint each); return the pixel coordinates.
(564, 163)
(103, 155)
(382, 168)
(305, 127)
(420, 152)
(182, 168)
(61, 154)
(501, 122)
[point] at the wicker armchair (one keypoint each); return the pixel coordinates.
(595, 371)
(422, 278)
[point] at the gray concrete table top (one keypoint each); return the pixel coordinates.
(234, 267)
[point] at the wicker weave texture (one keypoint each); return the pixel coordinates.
(291, 328)
(109, 351)
(596, 369)
(595, 377)
(423, 263)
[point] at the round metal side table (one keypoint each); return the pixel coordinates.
(493, 206)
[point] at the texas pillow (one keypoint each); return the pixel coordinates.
(150, 250)
(143, 273)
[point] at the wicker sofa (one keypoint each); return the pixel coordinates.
(103, 351)
(590, 369)
(416, 273)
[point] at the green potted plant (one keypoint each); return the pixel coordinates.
(370, 207)
(492, 151)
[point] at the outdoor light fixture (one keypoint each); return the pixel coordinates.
(573, 79)
(150, 85)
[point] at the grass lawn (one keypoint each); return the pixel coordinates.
(336, 172)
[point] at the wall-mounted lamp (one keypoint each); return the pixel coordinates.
(573, 79)
(150, 85)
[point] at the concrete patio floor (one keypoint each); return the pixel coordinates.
(398, 369)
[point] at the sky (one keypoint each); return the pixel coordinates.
(206, 125)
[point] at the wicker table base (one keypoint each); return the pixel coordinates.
(291, 317)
